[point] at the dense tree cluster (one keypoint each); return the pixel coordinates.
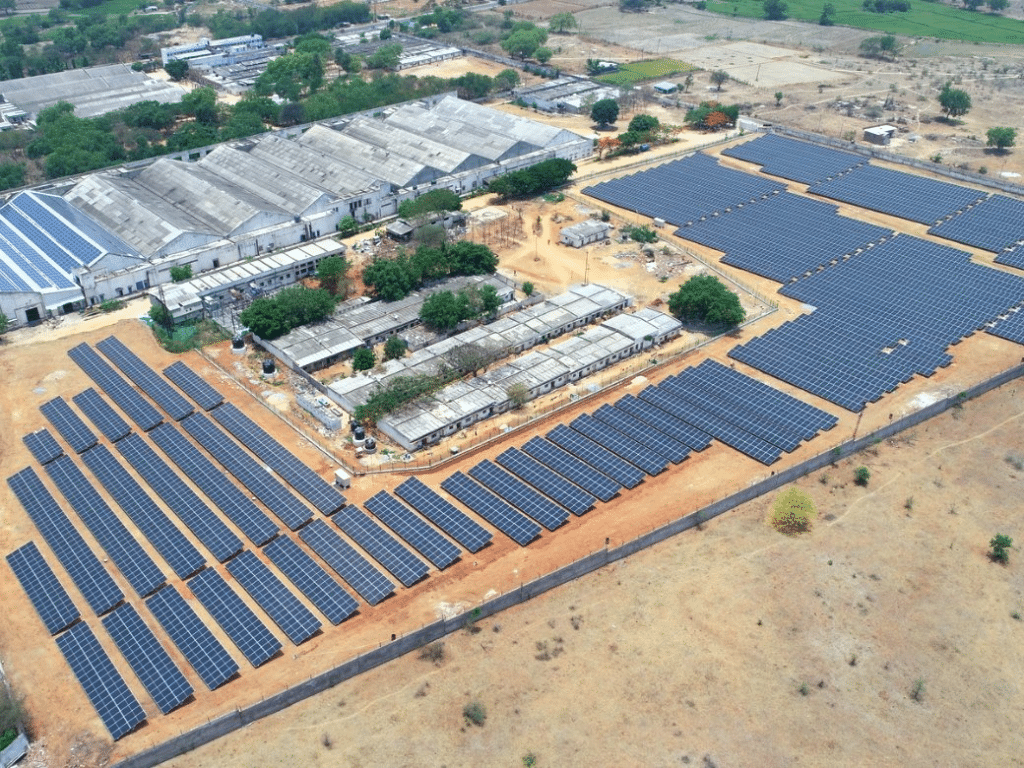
(710, 115)
(886, 6)
(395, 278)
(297, 305)
(705, 299)
(435, 201)
(273, 24)
(533, 180)
(524, 39)
(881, 47)
(444, 310)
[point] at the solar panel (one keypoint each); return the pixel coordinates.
(308, 483)
(145, 378)
(238, 507)
(267, 488)
(635, 453)
(147, 658)
(672, 449)
(263, 586)
(193, 385)
(181, 499)
(128, 400)
(573, 469)
(237, 619)
(601, 459)
(569, 495)
(381, 545)
(129, 557)
(372, 585)
(519, 494)
(47, 594)
(498, 513)
(443, 514)
(43, 445)
(171, 543)
(656, 418)
(68, 423)
(116, 705)
(993, 224)
(311, 579)
(197, 644)
(793, 159)
(85, 569)
(102, 415)
(403, 521)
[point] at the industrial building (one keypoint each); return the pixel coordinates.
(567, 95)
(115, 232)
(206, 53)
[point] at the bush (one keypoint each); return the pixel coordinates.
(475, 713)
(1000, 548)
(642, 234)
(112, 305)
(861, 475)
(363, 359)
(181, 273)
(792, 512)
(434, 653)
(528, 288)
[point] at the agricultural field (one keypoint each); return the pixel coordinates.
(638, 71)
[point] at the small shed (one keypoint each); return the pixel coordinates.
(880, 134)
(665, 87)
(584, 233)
(400, 230)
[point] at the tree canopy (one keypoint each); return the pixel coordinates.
(533, 180)
(177, 69)
(953, 101)
(705, 298)
(297, 305)
(395, 278)
(332, 272)
(711, 115)
(644, 124)
(433, 201)
(605, 111)
(719, 77)
(363, 359)
(1001, 138)
(880, 47)
(776, 10)
(562, 23)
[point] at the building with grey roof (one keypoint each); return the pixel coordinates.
(568, 95)
(584, 233)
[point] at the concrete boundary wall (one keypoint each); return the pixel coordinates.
(232, 721)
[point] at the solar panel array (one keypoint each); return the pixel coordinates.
(403, 521)
(794, 159)
(147, 658)
(882, 318)
(995, 223)
(193, 385)
(128, 555)
(659, 442)
(372, 585)
(48, 596)
(1011, 328)
(180, 553)
(102, 415)
(237, 619)
(197, 644)
(646, 408)
(720, 188)
(162, 393)
(236, 506)
(600, 458)
(179, 497)
(497, 512)
(117, 389)
(784, 236)
(82, 565)
(568, 494)
(317, 491)
(519, 494)
(311, 579)
(381, 545)
(43, 445)
(286, 610)
(69, 424)
(443, 514)
(267, 488)
(612, 440)
(915, 198)
(1012, 257)
(116, 705)
(573, 469)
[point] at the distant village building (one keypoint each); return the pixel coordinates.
(584, 233)
(880, 134)
(567, 95)
(665, 87)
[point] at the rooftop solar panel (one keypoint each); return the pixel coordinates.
(181, 499)
(193, 385)
(443, 514)
(128, 400)
(372, 585)
(663, 445)
(572, 468)
(403, 521)
(129, 557)
(381, 545)
(498, 513)
(237, 619)
(102, 415)
(48, 596)
(116, 705)
(267, 488)
(147, 658)
(238, 507)
(637, 454)
(519, 494)
(308, 483)
(176, 406)
(43, 446)
(569, 495)
(263, 586)
(69, 424)
(85, 569)
(172, 545)
(197, 644)
(311, 579)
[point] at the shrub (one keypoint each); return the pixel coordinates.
(363, 359)
(792, 512)
(181, 273)
(861, 475)
(1000, 548)
(917, 692)
(394, 348)
(528, 288)
(642, 234)
(434, 653)
(475, 713)
(112, 305)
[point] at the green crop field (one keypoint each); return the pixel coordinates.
(634, 72)
(924, 19)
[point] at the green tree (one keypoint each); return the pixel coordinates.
(314, 43)
(177, 69)
(12, 175)
(506, 80)
(706, 299)
(828, 15)
(385, 57)
(161, 317)
(775, 10)
(391, 279)
(998, 5)
(181, 273)
(719, 77)
(4, 323)
(332, 273)
(882, 47)
(779, 95)
(643, 124)
(999, 550)
(443, 311)
(528, 288)
(518, 395)
(363, 359)
(861, 476)
(395, 347)
(537, 178)
(435, 201)
(792, 512)
(954, 102)
(524, 43)
(562, 23)
(291, 77)
(1001, 138)
(297, 305)
(543, 55)
(348, 226)
(605, 112)
(490, 301)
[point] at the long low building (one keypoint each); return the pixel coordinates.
(76, 243)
